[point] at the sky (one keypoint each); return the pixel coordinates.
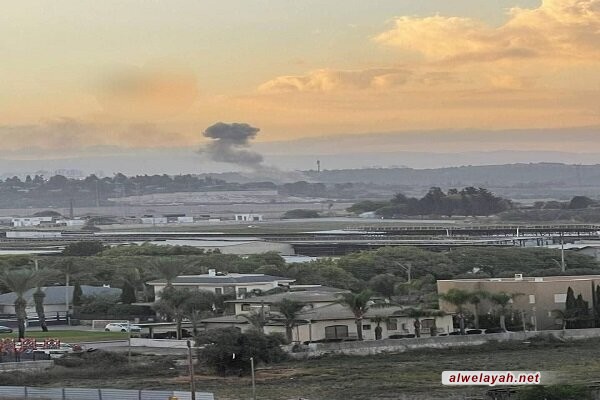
(82, 77)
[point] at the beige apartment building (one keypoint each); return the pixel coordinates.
(539, 296)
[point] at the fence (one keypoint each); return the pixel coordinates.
(20, 392)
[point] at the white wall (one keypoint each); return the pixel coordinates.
(316, 330)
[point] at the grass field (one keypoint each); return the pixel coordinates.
(413, 375)
(70, 336)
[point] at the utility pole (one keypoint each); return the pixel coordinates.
(562, 253)
(191, 370)
(253, 379)
(129, 342)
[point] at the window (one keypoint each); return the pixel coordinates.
(245, 307)
(366, 327)
(560, 298)
(404, 327)
(427, 323)
(392, 324)
(336, 332)
(532, 299)
(218, 290)
(242, 291)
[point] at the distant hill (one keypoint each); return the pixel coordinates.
(555, 174)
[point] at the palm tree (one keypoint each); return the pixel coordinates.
(458, 298)
(167, 268)
(258, 319)
(20, 281)
(502, 300)
(418, 313)
(359, 304)
(38, 299)
(378, 319)
(173, 303)
(475, 300)
(289, 310)
(70, 269)
(39, 294)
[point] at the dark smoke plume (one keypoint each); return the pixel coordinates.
(229, 145)
(230, 141)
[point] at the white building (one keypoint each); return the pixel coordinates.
(323, 318)
(30, 221)
(154, 220)
(248, 217)
(223, 283)
(71, 222)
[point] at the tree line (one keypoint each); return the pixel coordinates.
(469, 201)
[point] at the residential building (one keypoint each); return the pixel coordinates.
(311, 296)
(324, 319)
(224, 283)
(56, 298)
(536, 298)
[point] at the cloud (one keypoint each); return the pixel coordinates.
(147, 93)
(557, 29)
(329, 80)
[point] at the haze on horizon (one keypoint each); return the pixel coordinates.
(83, 78)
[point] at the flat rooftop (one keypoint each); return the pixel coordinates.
(560, 278)
(232, 278)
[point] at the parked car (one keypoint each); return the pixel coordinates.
(121, 327)
(5, 329)
(172, 334)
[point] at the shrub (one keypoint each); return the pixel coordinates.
(228, 351)
(556, 392)
(300, 213)
(98, 359)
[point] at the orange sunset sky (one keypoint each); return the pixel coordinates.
(78, 74)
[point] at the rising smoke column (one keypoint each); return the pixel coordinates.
(229, 144)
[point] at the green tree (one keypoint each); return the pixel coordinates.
(475, 299)
(503, 300)
(77, 294)
(458, 298)
(378, 319)
(20, 281)
(199, 304)
(257, 319)
(228, 351)
(289, 310)
(173, 304)
(83, 249)
(384, 284)
(417, 314)
(130, 279)
(167, 268)
(38, 299)
(359, 304)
